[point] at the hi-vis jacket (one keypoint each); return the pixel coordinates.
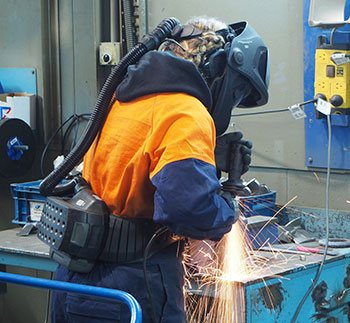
(155, 155)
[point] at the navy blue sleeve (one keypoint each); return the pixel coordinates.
(186, 201)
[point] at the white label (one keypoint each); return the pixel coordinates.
(13, 141)
(339, 59)
(297, 112)
(80, 203)
(342, 60)
(324, 107)
(35, 210)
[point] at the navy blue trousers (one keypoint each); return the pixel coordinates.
(165, 275)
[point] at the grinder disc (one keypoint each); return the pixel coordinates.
(17, 147)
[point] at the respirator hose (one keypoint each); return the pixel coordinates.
(49, 186)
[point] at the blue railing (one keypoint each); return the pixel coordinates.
(135, 309)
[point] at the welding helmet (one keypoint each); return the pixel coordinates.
(237, 75)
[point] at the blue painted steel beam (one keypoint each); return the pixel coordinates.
(26, 261)
(135, 309)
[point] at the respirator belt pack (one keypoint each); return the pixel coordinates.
(80, 230)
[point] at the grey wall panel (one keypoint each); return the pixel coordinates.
(311, 190)
(78, 57)
(85, 52)
(67, 68)
(20, 33)
(306, 188)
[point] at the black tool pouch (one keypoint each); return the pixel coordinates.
(81, 231)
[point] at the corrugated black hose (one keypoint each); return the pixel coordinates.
(49, 186)
(128, 14)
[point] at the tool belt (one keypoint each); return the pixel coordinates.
(80, 232)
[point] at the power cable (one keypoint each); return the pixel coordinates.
(72, 119)
(274, 110)
(74, 124)
(314, 282)
(49, 142)
(259, 112)
(74, 141)
(66, 133)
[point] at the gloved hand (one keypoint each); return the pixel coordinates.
(224, 151)
(229, 199)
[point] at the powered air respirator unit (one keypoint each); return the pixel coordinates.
(80, 229)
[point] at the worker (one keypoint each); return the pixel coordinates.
(154, 160)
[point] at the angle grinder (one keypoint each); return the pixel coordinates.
(234, 184)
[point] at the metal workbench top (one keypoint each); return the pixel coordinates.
(30, 252)
(273, 264)
(24, 251)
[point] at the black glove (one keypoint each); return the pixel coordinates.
(224, 151)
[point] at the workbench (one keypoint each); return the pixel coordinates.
(274, 295)
(274, 290)
(270, 296)
(24, 251)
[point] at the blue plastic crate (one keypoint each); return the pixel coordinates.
(28, 202)
(262, 231)
(264, 204)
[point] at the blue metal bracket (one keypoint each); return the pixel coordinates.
(18, 80)
(316, 133)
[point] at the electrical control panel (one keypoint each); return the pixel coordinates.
(331, 80)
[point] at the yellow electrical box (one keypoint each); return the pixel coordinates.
(331, 80)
